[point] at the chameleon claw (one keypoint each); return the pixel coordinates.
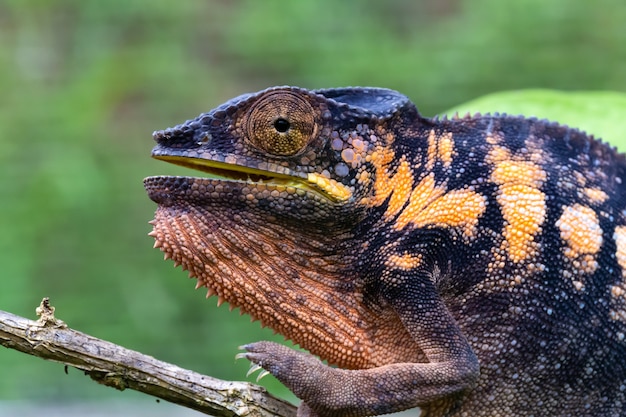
(253, 369)
(263, 374)
(241, 355)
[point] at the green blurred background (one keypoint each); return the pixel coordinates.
(84, 83)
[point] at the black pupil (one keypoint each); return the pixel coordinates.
(282, 125)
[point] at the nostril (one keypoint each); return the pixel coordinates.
(204, 139)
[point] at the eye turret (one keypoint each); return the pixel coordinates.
(281, 123)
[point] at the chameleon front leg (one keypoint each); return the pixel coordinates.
(326, 391)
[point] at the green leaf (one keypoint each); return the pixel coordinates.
(600, 113)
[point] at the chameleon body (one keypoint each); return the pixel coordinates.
(468, 266)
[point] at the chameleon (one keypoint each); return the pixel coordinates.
(465, 265)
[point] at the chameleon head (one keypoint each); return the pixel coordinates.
(311, 146)
(267, 226)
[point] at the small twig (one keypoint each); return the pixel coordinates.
(45, 311)
(112, 365)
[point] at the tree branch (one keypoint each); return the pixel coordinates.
(120, 368)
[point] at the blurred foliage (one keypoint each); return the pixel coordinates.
(85, 82)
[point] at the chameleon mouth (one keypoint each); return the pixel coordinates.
(312, 183)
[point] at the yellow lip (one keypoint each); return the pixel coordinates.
(222, 171)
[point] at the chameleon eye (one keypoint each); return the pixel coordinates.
(281, 123)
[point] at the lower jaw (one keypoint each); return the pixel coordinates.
(199, 190)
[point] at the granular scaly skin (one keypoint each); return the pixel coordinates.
(469, 267)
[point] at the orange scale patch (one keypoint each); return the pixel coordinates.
(521, 200)
(399, 185)
(581, 231)
(518, 172)
(406, 261)
(446, 149)
(424, 194)
(524, 210)
(440, 148)
(493, 139)
(596, 195)
(458, 208)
